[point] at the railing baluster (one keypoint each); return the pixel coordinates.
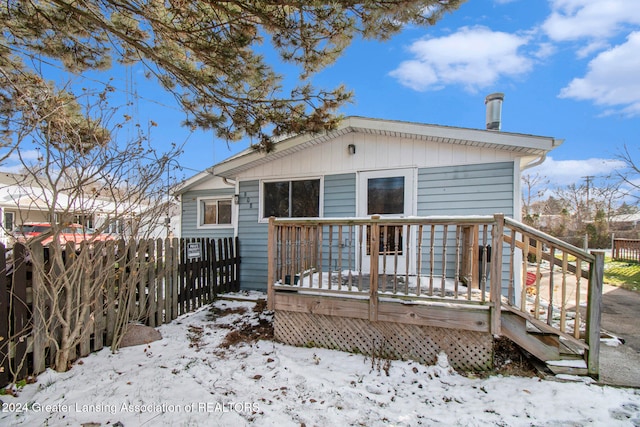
(525, 269)
(384, 252)
(538, 277)
(330, 263)
(512, 273)
(432, 260)
(318, 233)
(552, 253)
(443, 292)
(485, 256)
(361, 231)
(419, 260)
(576, 325)
(563, 303)
(396, 249)
(350, 255)
(456, 276)
(407, 242)
(340, 256)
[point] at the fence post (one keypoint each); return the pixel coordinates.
(374, 252)
(236, 263)
(594, 313)
(19, 310)
(4, 320)
(496, 272)
(271, 261)
(38, 304)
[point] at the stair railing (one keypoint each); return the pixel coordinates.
(556, 283)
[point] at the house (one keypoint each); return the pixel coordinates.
(24, 199)
(365, 166)
(378, 237)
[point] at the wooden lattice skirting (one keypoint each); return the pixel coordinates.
(466, 350)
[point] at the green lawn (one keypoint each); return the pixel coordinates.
(622, 273)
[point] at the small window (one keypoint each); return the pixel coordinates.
(214, 212)
(115, 226)
(292, 199)
(9, 219)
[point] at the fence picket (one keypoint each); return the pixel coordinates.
(39, 304)
(4, 320)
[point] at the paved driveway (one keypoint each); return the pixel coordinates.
(621, 316)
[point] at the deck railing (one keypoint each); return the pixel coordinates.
(489, 261)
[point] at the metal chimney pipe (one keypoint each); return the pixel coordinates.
(494, 110)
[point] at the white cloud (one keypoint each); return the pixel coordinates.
(472, 57)
(561, 173)
(591, 19)
(26, 155)
(612, 78)
(545, 50)
(13, 164)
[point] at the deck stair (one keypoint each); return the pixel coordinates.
(561, 352)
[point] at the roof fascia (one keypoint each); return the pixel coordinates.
(527, 145)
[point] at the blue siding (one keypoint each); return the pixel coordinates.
(190, 212)
(340, 195)
(483, 189)
(253, 238)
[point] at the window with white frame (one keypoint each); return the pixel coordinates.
(214, 212)
(9, 221)
(291, 199)
(115, 226)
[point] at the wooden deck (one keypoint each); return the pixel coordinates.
(440, 284)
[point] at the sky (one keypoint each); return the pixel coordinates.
(569, 69)
(190, 378)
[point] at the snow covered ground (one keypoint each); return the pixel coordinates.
(205, 371)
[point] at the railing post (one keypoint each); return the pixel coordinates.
(374, 252)
(496, 273)
(271, 264)
(594, 313)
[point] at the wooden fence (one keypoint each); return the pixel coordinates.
(167, 278)
(626, 250)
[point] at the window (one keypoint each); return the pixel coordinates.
(292, 199)
(214, 212)
(9, 219)
(115, 227)
(86, 220)
(385, 195)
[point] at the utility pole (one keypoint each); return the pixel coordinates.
(588, 178)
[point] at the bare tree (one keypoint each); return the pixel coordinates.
(534, 189)
(631, 174)
(86, 172)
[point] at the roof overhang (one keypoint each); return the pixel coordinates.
(524, 145)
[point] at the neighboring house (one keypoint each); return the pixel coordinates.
(364, 166)
(23, 200)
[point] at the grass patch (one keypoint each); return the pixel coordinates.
(623, 274)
